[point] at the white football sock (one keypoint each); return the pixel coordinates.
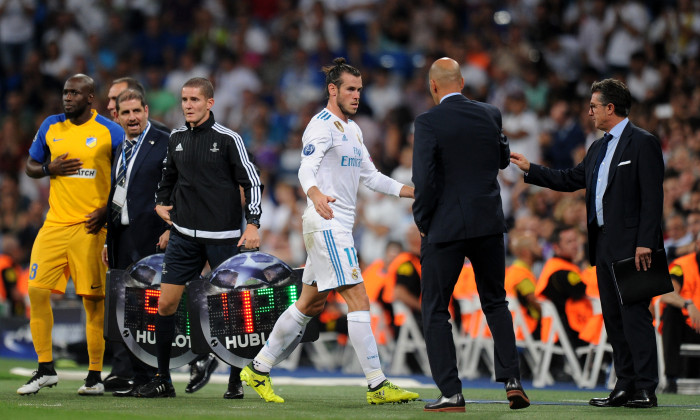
(287, 332)
(365, 346)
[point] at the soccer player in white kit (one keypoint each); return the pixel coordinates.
(334, 162)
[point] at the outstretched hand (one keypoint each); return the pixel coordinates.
(520, 161)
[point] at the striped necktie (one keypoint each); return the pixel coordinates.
(599, 159)
(128, 147)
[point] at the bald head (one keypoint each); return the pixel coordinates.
(445, 78)
(85, 81)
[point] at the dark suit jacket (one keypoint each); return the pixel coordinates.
(144, 223)
(633, 200)
(456, 158)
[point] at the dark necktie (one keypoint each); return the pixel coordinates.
(128, 147)
(601, 155)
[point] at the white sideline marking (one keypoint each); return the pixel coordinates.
(220, 378)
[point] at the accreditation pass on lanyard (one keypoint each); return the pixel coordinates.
(120, 191)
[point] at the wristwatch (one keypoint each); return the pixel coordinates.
(254, 222)
(687, 303)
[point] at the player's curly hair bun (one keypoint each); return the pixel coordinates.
(336, 70)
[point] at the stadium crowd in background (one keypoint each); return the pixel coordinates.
(535, 60)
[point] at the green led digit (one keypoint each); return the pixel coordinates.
(270, 300)
(292, 293)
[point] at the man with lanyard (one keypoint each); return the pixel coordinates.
(134, 230)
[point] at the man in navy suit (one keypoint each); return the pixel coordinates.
(623, 176)
(134, 229)
(458, 151)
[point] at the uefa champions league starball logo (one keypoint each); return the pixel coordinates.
(250, 270)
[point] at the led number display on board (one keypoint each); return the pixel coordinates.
(248, 311)
(131, 307)
(234, 308)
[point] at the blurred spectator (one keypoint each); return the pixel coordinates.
(405, 270)
(187, 69)
(563, 136)
(383, 93)
(677, 29)
(152, 46)
(520, 280)
(16, 32)
(591, 34)
(231, 79)
(677, 235)
(318, 23)
(70, 41)
(642, 80)
(13, 206)
(681, 317)
(560, 282)
(626, 34)
(381, 219)
(11, 296)
(522, 128)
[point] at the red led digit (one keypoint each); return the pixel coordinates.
(150, 305)
(247, 312)
(224, 306)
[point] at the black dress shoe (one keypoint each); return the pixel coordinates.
(454, 404)
(617, 398)
(515, 394)
(234, 391)
(200, 372)
(642, 399)
(117, 383)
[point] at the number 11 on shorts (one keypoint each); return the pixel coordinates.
(352, 256)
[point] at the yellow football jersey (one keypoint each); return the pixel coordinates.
(72, 198)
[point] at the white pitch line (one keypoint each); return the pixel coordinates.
(218, 378)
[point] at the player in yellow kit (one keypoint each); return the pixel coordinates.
(75, 149)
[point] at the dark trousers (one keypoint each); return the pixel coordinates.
(125, 364)
(185, 258)
(440, 267)
(630, 329)
(675, 333)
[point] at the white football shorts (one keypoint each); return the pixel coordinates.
(331, 260)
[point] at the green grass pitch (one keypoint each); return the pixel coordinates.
(309, 402)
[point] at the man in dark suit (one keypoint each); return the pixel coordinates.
(458, 151)
(623, 177)
(134, 229)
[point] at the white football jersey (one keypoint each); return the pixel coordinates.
(335, 159)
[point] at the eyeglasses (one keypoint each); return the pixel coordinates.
(594, 106)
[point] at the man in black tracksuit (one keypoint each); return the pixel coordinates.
(199, 194)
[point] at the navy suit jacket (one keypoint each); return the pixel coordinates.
(633, 199)
(458, 150)
(145, 225)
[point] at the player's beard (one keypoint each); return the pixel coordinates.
(345, 111)
(75, 113)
